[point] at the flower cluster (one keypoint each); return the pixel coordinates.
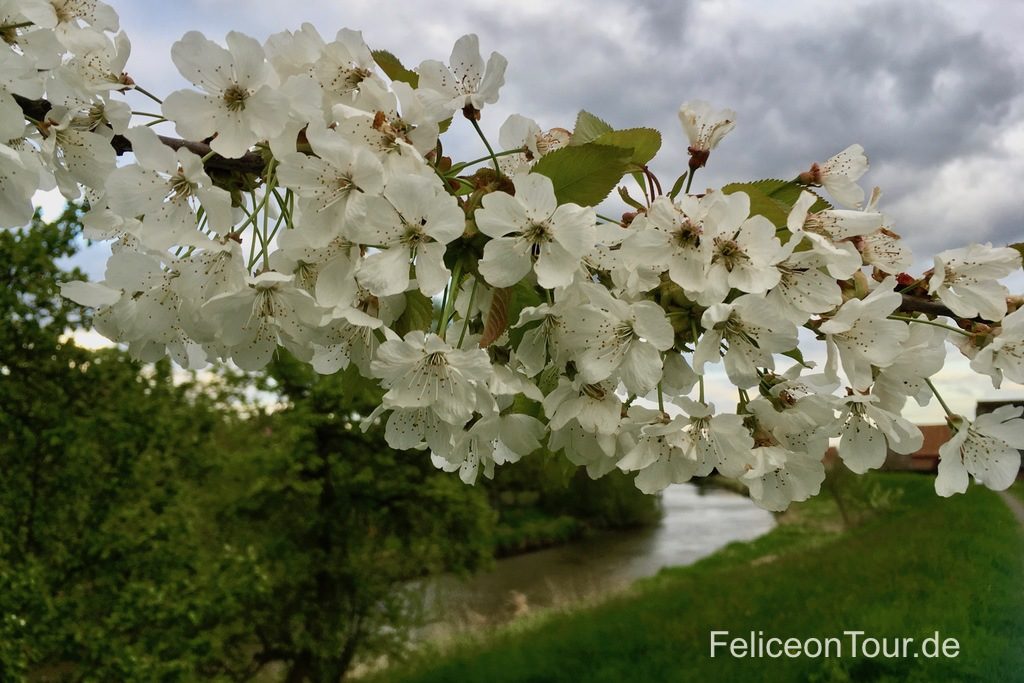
(308, 204)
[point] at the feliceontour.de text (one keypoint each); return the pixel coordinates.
(756, 645)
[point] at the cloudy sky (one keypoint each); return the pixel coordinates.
(932, 90)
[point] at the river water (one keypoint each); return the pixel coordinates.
(696, 522)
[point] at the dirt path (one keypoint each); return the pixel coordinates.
(1015, 505)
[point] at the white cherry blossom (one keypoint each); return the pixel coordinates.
(862, 336)
(805, 288)
(493, 440)
(423, 370)
(270, 311)
(1004, 355)
(660, 455)
(77, 154)
(704, 128)
(237, 105)
(743, 250)
(400, 125)
(830, 232)
(625, 339)
(467, 82)
(543, 341)
(965, 279)
(18, 182)
(412, 221)
(803, 425)
(920, 356)
(78, 24)
(595, 406)
(839, 175)
(348, 337)
(883, 249)
(532, 231)
(988, 449)
(672, 236)
(96, 71)
(752, 335)
(340, 215)
(165, 189)
(780, 477)
(18, 75)
(330, 182)
(521, 132)
(869, 432)
(596, 451)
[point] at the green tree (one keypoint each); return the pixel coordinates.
(330, 526)
(159, 529)
(93, 451)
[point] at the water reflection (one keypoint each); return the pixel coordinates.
(695, 524)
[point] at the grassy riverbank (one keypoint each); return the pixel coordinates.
(917, 565)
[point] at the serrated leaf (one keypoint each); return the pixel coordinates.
(774, 198)
(497, 316)
(418, 313)
(585, 174)
(394, 69)
(588, 128)
(645, 142)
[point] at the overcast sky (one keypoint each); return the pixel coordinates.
(932, 90)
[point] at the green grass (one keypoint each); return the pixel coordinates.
(924, 564)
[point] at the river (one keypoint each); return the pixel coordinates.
(695, 523)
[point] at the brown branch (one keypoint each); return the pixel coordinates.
(916, 304)
(250, 163)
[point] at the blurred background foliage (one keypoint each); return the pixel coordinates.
(161, 525)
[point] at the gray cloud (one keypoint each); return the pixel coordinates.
(931, 89)
(913, 84)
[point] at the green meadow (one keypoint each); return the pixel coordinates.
(911, 565)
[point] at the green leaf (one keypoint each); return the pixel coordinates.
(624, 195)
(774, 198)
(391, 66)
(548, 379)
(418, 313)
(585, 174)
(645, 142)
(641, 182)
(523, 296)
(677, 186)
(1019, 246)
(527, 406)
(588, 128)
(798, 356)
